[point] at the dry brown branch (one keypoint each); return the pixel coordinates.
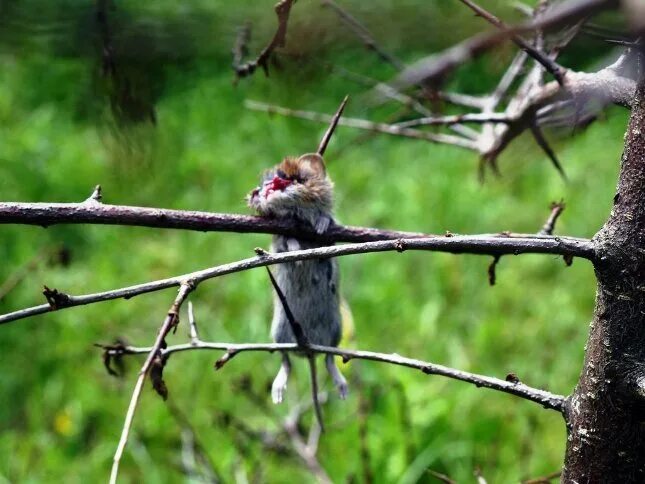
(332, 127)
(546, 399)
(171, 320)
(47, 214)
(282, 10)
(505, 243)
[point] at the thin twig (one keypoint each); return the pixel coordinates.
(282, 10)
(390, 129)
(171, 320)
(505, 83)
(505, 243)
(475, 118)
(363, 34)
(408, 101)
(332, 127)
(436, 67)
(544, 398)
(556, 210)
(192, 324)
(549, 64)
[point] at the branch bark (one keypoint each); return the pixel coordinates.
(546, 399)
(171, 320)
(46, 214)
(606, 435)
(499, 244)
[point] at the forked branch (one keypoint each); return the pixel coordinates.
(282, 10)
(171, 321)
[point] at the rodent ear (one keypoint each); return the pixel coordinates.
(314, 161)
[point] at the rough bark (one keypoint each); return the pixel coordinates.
(606, 417)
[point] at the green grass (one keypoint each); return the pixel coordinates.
(61, 414)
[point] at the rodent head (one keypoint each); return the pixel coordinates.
(295, 188)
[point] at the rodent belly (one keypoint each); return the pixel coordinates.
(310, 288)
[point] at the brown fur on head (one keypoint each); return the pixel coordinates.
(296, 188)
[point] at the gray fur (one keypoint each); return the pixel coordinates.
(311, 287)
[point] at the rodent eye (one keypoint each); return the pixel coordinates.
(281, 174)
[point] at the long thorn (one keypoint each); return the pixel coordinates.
(542, 142)
(332, 127)
(314, 390)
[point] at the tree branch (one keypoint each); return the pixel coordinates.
(544, 398)
(495, 244)
(385, 128)
(171, 320)
(436, 67)
(46, 214)
(282, 10)
(550, 65)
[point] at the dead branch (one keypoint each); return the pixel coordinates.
(385, 128)
(282, 10)
(497, 244)
(46, 214)
(534, 104)
(171, 321)
(436, 67)
(549, 64)
(544, 398)
(556, 210)
(332, 127)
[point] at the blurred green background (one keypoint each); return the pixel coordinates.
(171, 131)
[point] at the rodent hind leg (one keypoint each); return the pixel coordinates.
(337, 377)
(279, 386)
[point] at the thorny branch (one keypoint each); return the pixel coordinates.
(332, 127)
(170, 322)
(549, 64)
(556, 210)
(436, 67)
(303, 342)
(573, 99)
(544, 398)
(282, 10)
(497, 244)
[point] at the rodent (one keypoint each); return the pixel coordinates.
(300, 189)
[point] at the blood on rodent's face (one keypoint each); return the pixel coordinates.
(276, 184)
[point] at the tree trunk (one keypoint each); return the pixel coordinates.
(605, 414)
